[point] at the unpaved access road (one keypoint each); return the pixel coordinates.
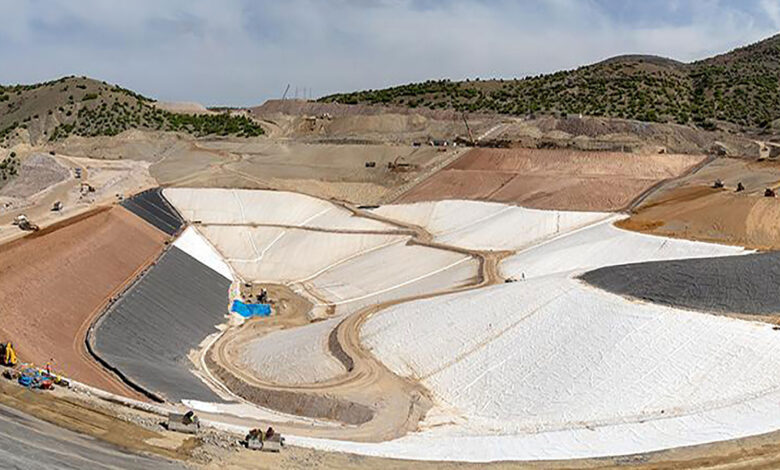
(375, 403)
(27, 442)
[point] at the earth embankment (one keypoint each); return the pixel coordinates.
(55, 281)
(551, 179)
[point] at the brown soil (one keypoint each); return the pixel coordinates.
(551, 179)
(572, 193)
(55, 281)
(457, 184)
(572, 162)
(690, 208)
(706, 214)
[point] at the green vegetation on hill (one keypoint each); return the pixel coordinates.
(80, 106)
(740, 87)
(9, 167)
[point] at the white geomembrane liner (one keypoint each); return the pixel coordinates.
(282, 255)
(390, 268)
(543, 368)
(489, 225)
(244, 206)
(192, 243)
(293, 356)
(550, 368)
(603, 244)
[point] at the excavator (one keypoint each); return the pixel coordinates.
(8, 355)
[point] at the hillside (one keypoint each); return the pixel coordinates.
(740, 87)
(81, 106)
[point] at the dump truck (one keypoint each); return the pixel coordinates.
(8, 354)
(187, 423)
(24, 223)
(268, 441)
(57, 206)
(717, 184)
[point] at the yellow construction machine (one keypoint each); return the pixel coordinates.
(7, 354)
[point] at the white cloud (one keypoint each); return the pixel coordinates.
(242, 52)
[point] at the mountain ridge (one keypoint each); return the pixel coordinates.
(739, 87)
(53, 110)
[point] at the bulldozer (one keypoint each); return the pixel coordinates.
(8, 355)
(24, 223)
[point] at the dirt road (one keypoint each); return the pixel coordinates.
(372, 402)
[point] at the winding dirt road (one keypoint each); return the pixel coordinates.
(369, 401)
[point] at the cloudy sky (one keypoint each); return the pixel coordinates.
(242, 52)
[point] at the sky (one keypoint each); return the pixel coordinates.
(242, 52)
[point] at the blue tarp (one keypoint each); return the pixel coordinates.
(251, 310)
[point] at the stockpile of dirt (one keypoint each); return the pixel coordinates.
(55, 281)
(36, 173)
(551, 179)
(730, 284)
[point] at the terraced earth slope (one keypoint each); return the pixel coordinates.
(551, 179)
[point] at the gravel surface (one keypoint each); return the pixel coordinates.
(35, 174)
(149, 332)
(747, 284)
(151, 206)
